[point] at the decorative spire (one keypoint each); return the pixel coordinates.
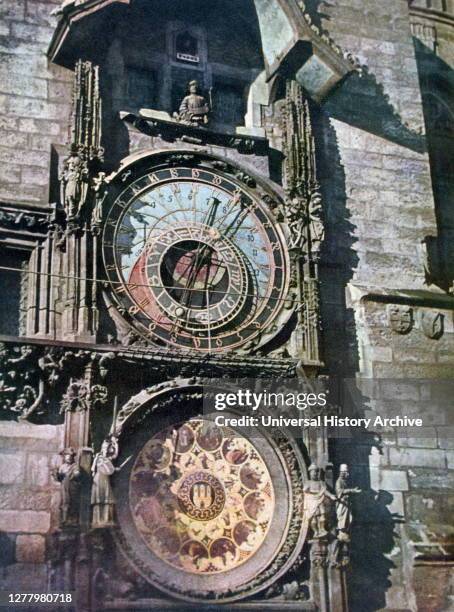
(304, 218)
(85, 151)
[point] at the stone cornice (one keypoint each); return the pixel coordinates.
(432, 15)
(226, 363)
(70, 14)
(19, 220)
(408, 297)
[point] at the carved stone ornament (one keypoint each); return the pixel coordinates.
(304, 202)
(76, 398)
(80, 396)
(98, 395)
(320, 552)
(31, 377)
(19, 220)
(340, 550)
(85, 151)
(289, 590)
(432, 324)
(400, 318)
(304, 218)
(21, 383)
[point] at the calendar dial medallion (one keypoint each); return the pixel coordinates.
(194, 258)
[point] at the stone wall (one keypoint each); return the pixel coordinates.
(407, 472)
(29, 500)
(376, 132)
(377, 185)
(433, 31)
(34, 115)
(34, 101)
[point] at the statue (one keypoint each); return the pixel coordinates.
(194, 108)
(69, 475)
(343, 506)
(343, 515)
(317, 229)
(296, 222)
(316, 505)
(99, 188)
(102, 499)
(74, 183)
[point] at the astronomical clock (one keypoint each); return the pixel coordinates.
(194, 255)
(197, 262)
(184, 244)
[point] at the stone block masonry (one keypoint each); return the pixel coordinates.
(378, 124)
(381, 190)
(28, 500)
(411, 468)
(35, 100)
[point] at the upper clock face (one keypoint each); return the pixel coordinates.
(195, 258)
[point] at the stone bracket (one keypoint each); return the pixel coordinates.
(157, 123)
(295, 47)
(407, 297)
(21, 224)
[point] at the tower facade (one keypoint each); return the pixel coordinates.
(229, 193)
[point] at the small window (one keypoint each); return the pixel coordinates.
(187, 48)
(13, 309)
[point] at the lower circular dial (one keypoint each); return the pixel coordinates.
(201, 497)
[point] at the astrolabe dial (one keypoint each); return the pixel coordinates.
(201, 497)
(204, 275)
(195, 258)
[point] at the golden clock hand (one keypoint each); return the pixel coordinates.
(213, 204)
(236, 223)
(212, 211)
(199, 262)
